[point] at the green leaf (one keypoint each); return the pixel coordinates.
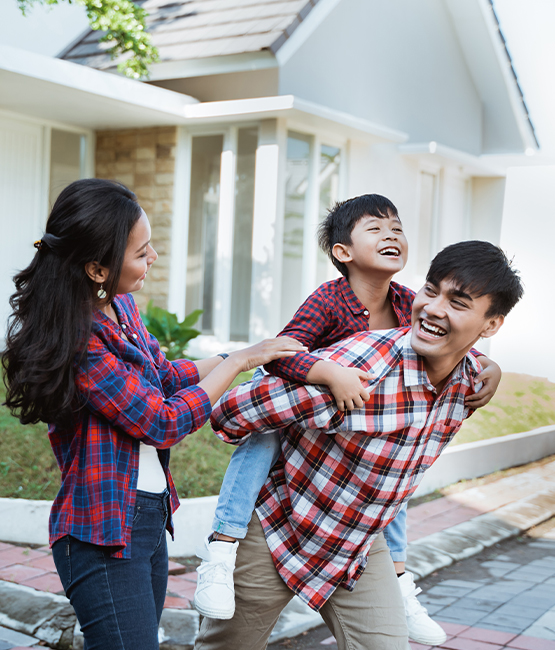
(171, 334)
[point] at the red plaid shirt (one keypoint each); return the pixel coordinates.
(330, 314)
(328, 496)
(131, 394)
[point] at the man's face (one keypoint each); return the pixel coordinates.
(446, 322)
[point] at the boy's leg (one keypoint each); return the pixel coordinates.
(248, 470)
(261, 596)
(372, 616)
(421, 627)
(245, 475)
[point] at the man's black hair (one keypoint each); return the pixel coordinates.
(480, 269)
(343, 217)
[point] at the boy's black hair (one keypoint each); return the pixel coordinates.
(481, 269)
(343, 217)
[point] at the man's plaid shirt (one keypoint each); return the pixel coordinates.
(131, 394)
(343, 476)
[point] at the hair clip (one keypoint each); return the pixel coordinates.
(38, 244)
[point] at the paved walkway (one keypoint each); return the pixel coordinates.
(511, 504)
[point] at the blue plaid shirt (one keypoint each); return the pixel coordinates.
(131, 394)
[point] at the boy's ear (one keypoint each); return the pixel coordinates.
(341, 252)
(492, 327)
(96, 273)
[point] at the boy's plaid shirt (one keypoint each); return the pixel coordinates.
(343, 476)
(330, 314)
(131, 394)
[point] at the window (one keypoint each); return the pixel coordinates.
(203, 227)
(66, 160)
(247, 142)
(328, 178)
(296, 186)
(426, 222)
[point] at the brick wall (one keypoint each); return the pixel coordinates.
(144, 160)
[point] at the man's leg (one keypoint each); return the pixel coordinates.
(372, 616)
(260, 596)
(421, 627)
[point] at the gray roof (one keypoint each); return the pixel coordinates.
(194, 29)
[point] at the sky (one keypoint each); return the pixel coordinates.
(528, 26)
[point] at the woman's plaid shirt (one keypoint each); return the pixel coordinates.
(131, 394)
(343, 476)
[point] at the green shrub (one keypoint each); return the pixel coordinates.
(172, 335)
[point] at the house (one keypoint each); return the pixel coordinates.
(258, 117)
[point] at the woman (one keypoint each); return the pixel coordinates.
(79, 358)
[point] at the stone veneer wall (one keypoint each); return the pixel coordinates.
(144, 160)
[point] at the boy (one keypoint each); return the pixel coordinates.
(364, 239)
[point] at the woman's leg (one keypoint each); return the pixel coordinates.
(119, 602)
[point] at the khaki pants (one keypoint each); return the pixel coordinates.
(371, 617)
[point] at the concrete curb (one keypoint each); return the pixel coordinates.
(438, 550)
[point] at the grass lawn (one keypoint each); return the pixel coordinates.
(28, 469)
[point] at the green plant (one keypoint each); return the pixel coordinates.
(124, 25)
(172, 335)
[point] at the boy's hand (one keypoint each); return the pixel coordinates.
(490, 377)
(346, 384)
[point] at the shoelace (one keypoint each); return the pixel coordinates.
(218, 571)
(412, 604)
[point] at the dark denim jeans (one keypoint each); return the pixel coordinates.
(119, 602)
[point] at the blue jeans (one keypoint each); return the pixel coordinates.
(119, 602)
(247, 472)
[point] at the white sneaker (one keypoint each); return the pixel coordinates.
(215, 594)
(421, 627)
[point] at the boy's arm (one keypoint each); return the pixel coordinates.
(490, 378)
(309, 325)
(312, 321)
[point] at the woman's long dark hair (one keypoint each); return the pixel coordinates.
(54, 298)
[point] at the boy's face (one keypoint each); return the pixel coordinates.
(378, 244)
(446, 322)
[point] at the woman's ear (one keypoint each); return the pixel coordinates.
(96, 273)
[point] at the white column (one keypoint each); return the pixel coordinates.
(224, 255)
(310, 245)
(267, 239)
(180, 224)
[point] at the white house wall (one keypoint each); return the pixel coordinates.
(526, 343)
(393, 62)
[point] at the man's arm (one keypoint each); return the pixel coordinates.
(271, 404)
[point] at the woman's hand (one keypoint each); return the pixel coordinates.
(266, 351)
(217, 381)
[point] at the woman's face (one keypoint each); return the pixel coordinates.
(139, 257)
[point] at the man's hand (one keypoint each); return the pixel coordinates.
(346, 384)
(490, 377)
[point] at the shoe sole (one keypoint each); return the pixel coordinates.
(213, 613)
(428, 641)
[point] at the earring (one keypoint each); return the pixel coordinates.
(101, 293)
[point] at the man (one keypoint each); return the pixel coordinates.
(343, 476)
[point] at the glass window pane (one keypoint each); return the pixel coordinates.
(242, 234)
(426, 221)
(203, 227)
(296, 185)
(65, 161)
(328, 177)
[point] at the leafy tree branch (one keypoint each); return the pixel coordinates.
(124, 24)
